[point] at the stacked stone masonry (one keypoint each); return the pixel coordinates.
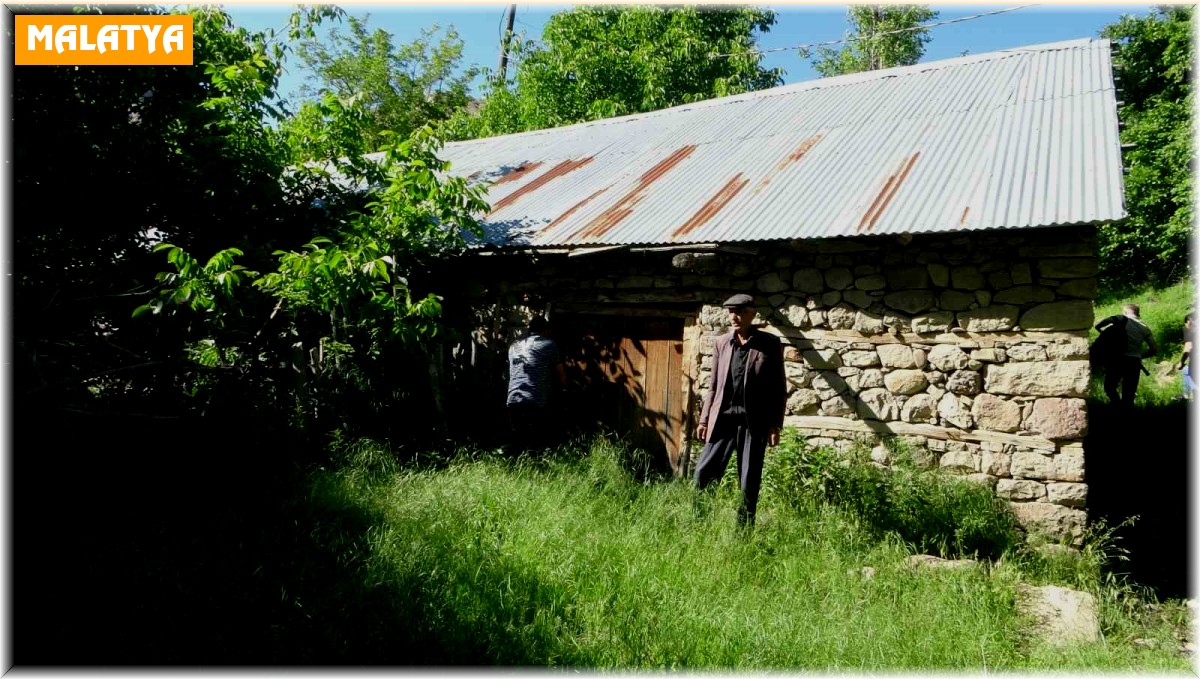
(971, 348)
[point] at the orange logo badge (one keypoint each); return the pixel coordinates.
(103, 40)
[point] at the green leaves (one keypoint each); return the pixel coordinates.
(871, 50)
(599, 62)
(398, 89)
(1154, 53)
(198, 287)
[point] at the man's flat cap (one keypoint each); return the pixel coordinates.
(738, 300)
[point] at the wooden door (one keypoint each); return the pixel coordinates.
(625, 374)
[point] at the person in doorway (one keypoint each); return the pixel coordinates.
(743, 409)
(1125, 368)
(534, 370)
(1185, 360)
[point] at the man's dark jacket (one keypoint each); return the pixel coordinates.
(765, 388)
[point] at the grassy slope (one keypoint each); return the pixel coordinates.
(571, 562)
(1163, 310)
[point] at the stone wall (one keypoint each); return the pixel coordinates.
(970, 347)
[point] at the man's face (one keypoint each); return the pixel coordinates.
(741, 317)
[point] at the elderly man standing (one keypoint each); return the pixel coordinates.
(743, 409)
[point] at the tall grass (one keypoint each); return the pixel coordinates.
(570, 560)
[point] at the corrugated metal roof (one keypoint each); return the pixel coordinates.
(1017, 138)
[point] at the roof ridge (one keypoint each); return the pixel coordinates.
(816, 83)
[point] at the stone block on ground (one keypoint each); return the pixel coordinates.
(1060, 616)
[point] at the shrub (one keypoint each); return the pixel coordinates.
(930, 509)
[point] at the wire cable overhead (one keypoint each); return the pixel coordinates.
(910, 29)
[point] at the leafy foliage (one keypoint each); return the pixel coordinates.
(186, 162)
(109, 161)
(343, 302)
(931, 510)
(1154, 53)
(400, 88)
(598, 62)
(871, 50)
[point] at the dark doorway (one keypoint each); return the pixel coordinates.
(1138, 466)
(625, 375)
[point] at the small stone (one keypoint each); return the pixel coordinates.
(860, 359)
(1068, 494)
(947, 358)
(1083, 267)
(838, 278)
(1012, 489)
(939, 275)
(771, 283)
(930, 561)
(907, 277)
(938, 321)
(872, 282)
(1047, 378)
(841, 317)
(878, 404)
(868, 323)
(1061, 616)
(1059, 418)
(1027, 352)
(956, 411)
(996, 414)
(905, 382)
(921, 408)
(1025, 294)
(870, 379)
(966, 278)
(994, 318)
(910, 301)
(858, 298)
(896, 356)
(964, 383)
(808, 280)
(955, 300)
(1069, 315)
(1026, 465)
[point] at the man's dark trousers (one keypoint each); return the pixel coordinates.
(1125, 371)
(732, 435)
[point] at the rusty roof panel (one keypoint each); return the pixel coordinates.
(1023, 137)
(550, 175)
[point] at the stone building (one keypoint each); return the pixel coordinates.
(922, 238)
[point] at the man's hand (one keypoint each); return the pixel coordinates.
(702, 432)
(772, 437)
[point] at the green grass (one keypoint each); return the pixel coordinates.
(1163, 311)
(570, 561)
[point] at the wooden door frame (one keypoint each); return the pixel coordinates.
(679, 459)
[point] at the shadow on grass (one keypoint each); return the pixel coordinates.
(1138, 465)
(180, 547)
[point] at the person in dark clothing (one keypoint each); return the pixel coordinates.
(1125, 369)
(743, 409)
(534, 370)
(1185, 359)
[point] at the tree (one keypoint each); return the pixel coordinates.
(400, 88)
(1154, 54)
(599, 62)
(111, 160)
(105, 160)
(871, 48)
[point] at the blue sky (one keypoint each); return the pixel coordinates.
(479, 26)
